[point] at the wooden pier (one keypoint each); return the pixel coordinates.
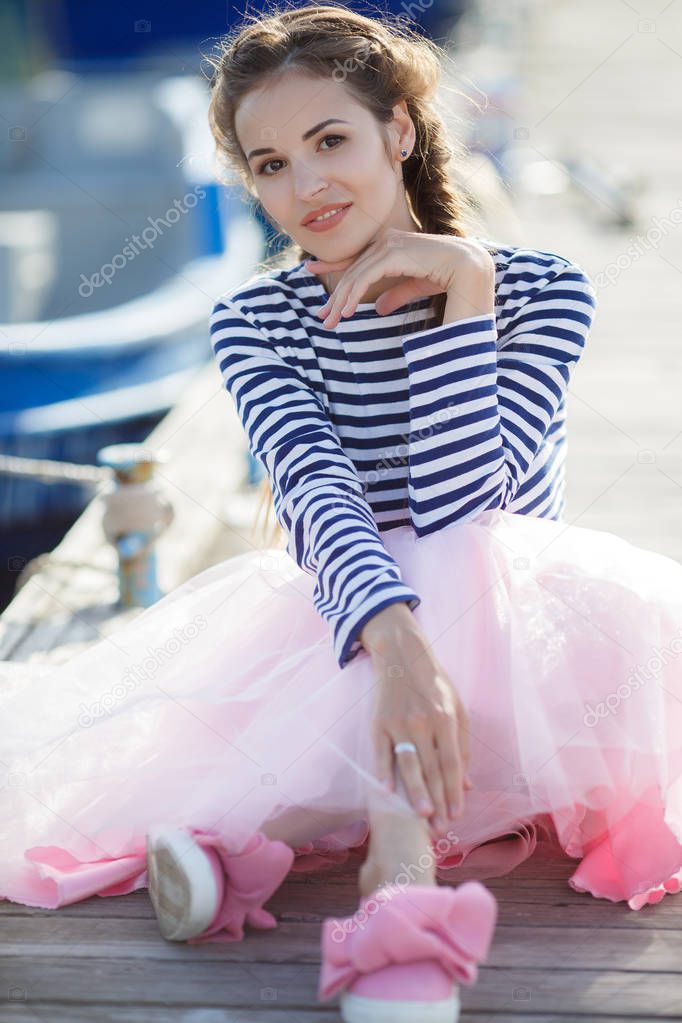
(557, 957)
(598, 78)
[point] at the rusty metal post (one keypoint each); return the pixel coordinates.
(136, 513)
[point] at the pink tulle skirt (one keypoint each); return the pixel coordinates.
(222, 708)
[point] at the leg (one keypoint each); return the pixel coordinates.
(396, 841)
(299, 825)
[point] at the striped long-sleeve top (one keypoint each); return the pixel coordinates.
(385, 421)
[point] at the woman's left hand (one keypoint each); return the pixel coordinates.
(430, 263)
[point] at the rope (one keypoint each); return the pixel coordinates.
(54, 472)
(44, 562)
(131, 508)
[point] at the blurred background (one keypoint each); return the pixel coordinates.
(116, 236)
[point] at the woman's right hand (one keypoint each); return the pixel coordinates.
(417, 702)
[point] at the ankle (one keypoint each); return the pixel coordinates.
(374, 874)
(369, 878)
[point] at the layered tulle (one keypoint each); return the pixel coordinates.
(222, 708)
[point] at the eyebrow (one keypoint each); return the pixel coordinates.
(306, 135)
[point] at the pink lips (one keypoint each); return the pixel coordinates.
(328, 222)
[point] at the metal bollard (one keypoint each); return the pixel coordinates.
(136, 513)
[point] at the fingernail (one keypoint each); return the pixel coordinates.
(425, 805)
(454, 810)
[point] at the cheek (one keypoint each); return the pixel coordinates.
(380, 191)
(363, 171)
(275, 201)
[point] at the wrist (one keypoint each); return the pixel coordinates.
(386, 625)
(471, 291)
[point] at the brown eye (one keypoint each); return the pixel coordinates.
(333, 137)
(261, 169)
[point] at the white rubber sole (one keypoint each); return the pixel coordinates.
(182, 886)
(358, 1009)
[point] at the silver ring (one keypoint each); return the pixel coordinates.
(401, 747)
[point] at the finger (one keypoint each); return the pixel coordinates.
(397, 296)
(464, 736)
(431, 769)
(383, 747)
(351, 287)
(324, 265)
(450, 763)
(409, 765)
(362, 278)
(335, 301)
(350, 291)
(463, 733)
(320, 266)
(338, 301)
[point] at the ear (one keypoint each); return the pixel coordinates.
(403, 128)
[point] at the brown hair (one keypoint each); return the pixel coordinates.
(389, 61)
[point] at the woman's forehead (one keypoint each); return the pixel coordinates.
(292, 105)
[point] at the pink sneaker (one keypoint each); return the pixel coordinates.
(402, 960)
(202, 892)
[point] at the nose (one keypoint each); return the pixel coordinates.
(307, 184)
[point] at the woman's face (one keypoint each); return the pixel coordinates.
(336, 164)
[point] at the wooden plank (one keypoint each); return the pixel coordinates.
(258, 985)
(533, 908)
(535, 902)
(51, 1012)
(516, 945)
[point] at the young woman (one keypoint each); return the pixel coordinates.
(435, 662)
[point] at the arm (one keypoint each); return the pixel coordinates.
(478, 415)
(318, 496)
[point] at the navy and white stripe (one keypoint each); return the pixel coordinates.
(362, 430)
